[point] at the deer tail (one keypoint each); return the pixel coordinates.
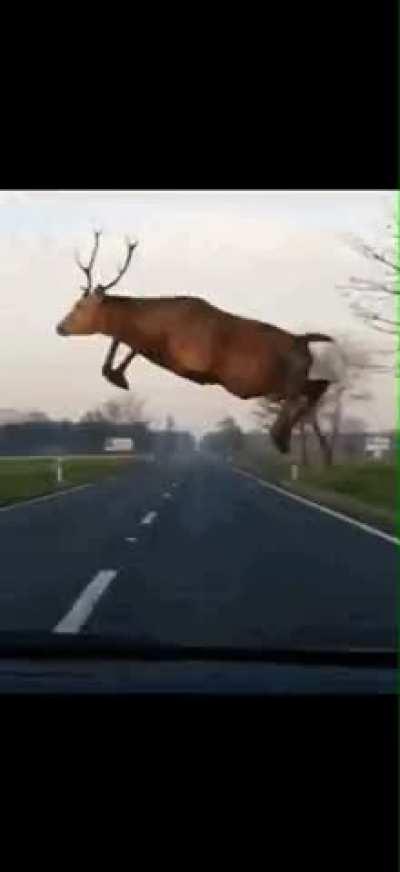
(330, 366)
(316, 337)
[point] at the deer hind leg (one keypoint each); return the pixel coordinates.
(117, 376)
(295, 403)
(314, 390)
(296, 409)
(291, 412)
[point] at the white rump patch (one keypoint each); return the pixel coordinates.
(327, 363)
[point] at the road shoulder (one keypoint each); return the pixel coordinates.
(381, 518)
(378, 516)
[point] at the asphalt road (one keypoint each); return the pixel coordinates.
(195, 553)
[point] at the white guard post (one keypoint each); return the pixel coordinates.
(59, 471)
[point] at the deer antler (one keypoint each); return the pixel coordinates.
(88, 269)
(130, 249)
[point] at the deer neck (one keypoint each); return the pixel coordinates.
(117, 319)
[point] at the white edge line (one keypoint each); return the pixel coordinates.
(149, 518)
(324, 509)
(84, 605)
(20, 504)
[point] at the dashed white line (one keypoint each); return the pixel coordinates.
(166, 496)
(84, 605)
(130, 539)
(149, 518)
(323, 509)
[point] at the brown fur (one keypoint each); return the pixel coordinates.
(202, 343)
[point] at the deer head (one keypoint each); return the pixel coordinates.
(85, 317)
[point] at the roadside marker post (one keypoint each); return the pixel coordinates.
(295, 472)
(59, 471)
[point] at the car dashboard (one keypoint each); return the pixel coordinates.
(89, 665)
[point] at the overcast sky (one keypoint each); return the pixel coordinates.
(276, 256)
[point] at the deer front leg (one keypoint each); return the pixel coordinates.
(116, 376)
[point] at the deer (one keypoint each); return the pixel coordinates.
(202, 343)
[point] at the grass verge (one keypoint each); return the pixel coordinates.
(365, 491)
(25, 478)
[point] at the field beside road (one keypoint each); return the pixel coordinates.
(372, 483)
(25, 478)
(366, 491)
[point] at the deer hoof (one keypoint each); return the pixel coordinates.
(280, 439)
(281, 444)
(117, 378)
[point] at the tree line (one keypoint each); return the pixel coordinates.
(38, 433)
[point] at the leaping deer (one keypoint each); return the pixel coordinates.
(199, 342)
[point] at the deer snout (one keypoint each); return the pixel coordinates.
(60, 329)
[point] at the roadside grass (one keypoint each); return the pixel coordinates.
(364, 490)
(372, 483)
(25, 478)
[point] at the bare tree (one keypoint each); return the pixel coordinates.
(265, 412)
(128, 410)
(331, 411)
(229, 435)
(37, 417)
(374, 299)
(93, 416)
(353, 424)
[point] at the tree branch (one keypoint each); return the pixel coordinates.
(370, 252)
(368, 286)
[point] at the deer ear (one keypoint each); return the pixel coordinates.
(99, 291)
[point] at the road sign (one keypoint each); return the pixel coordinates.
(118, 444)
(377, 445)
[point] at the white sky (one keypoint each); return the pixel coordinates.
(272, 255)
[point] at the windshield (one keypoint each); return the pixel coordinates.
(197, 422)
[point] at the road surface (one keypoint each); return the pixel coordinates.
(195, 553)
